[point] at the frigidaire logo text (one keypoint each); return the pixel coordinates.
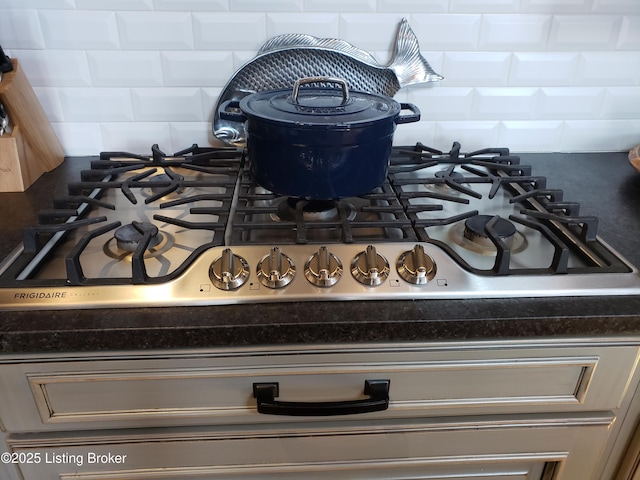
(38, 295)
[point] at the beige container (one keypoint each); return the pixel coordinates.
(634, 157)
(32, 148)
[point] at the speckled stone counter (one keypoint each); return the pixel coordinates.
(605, 185)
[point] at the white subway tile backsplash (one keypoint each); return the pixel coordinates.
(79, 30)
(196, 69)
(167, 104)
(572, 103)
(628, 135)
(334, 6)
(229, 31)
(442, 103)
(155, 30)
(514, 32)
(584, 32)
(447, 32)
(55, 68)
(555, 6)
(472, 69)
(621, 102)
(114, 5)
(432, 6)
(528, 136)
(323, 25)
(514, 103)
(96, 104)
(50, 102)
(80, 138)
(261, 6)
(44, 4)
(595, 135)
(410, 133)
(485, 6)
(472, 135)
(20, 29)
(125, 68)
(543, 68)
(185, 134)
(192, 5)
(136, 137)
(616, 6)
(629, 38)
(370, 31)
(532, 75)
(609, 68)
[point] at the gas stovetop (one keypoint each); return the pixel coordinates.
(194, 229)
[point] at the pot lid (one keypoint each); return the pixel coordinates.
(314, 105)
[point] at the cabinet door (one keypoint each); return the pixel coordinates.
(533, 448)
(630, 465)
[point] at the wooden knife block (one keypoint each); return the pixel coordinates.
(32, 148)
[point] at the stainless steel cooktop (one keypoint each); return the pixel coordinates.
(194, 229)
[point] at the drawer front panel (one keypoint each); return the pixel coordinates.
(201, 390)
(107, 396)
(523, 450)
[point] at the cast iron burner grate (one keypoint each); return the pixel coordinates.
(533, 206)
(95, 205)
(263, 217)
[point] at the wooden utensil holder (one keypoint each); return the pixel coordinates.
(32, 148)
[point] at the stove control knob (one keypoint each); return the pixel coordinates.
(369, 267)
(276, 270)
(416, 267)
(323, 269)
(229, 271)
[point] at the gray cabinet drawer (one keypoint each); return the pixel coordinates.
(533, 448)
(217, 389)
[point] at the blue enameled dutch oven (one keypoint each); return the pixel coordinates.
(318, 142)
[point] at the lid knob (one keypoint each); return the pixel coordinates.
(305, 81)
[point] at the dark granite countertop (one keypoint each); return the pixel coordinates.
(603, 183)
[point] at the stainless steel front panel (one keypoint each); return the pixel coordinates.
(195, 287)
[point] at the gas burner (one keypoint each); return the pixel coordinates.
(162, 180)
(311, 210)
(472, 236)
(446, 180)
(128, 236)
(163, 185)
(448, 173)
(449, 180)
(475, 229)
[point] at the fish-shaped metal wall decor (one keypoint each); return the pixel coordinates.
(286, 58)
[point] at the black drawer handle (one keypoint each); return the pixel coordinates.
(377, 390)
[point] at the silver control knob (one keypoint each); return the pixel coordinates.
(276, 270)
(416, 267)
(229, 271)
(369, 267)
(323, 269)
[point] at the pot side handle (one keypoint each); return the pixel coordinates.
(225, 112)
(413, 117)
